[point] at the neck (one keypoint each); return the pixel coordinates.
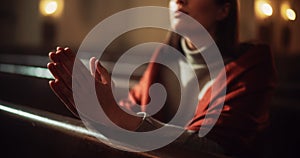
(205, 42)
(189, 44)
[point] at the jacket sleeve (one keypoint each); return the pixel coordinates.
(139, 94)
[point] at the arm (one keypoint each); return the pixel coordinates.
(61, 66)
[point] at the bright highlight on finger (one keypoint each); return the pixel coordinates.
(92, 65)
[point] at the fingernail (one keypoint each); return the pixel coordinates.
(50, 54)
(92, 58)
(49, 64)
(59, 48)
(51, 83)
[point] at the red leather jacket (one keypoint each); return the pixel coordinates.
(250, 81)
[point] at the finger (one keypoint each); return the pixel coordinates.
(65, 61)
(66, 77)
(55, 56)
(81, 74)
(98, 75)
(52, 56)
(59, 48)
(69, 61)
(52, 69)
(102, 73)
(92, 66)
(69, 53)
(64, 95)
(80, 67)
(59, 73)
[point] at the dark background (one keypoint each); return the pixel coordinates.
(24, 31)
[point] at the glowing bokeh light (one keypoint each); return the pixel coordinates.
(291, 14)
(51, 7)
(287, 13)
(263, 9)
(266, 9)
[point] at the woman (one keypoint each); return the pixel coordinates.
(250, 79)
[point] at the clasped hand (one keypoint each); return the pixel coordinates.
(61, 67)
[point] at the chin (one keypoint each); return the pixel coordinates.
(179, 25)
(184, 28)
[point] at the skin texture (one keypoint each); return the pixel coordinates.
(61, 66)
(62, 60)
(206, 12)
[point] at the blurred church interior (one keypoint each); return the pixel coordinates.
(30, 29)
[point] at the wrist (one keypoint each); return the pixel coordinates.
(125, 120)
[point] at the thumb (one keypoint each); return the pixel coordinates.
(101, 73)
(92, 66)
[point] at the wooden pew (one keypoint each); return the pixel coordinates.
(34, 123)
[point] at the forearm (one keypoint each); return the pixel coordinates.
(188, 144)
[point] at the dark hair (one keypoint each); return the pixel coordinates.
(226, 31)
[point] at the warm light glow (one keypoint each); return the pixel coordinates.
(291, 15)
(51, 122)
(266, 9)
(51, 7)
(26, 70)
(263, 9)
(287, 13)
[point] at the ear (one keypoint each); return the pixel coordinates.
(223, 11)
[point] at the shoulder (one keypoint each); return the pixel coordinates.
(253, 67)
(250, 54)
(252, 59)
(258, 50)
